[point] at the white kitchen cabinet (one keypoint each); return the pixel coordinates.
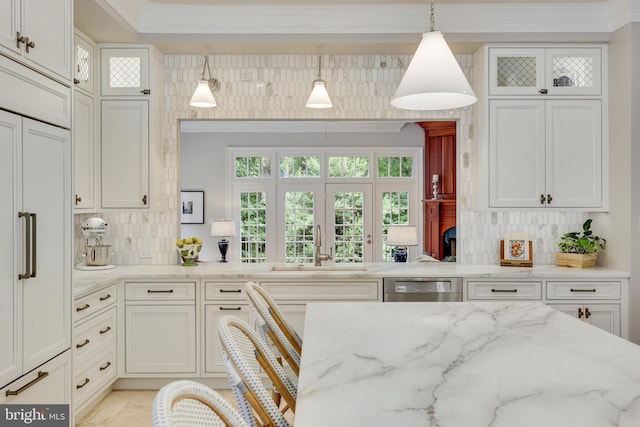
(213, 312)
(84, 57)
(125, 153)
(604, 316)
(533, 148)
(499, 290)
(38, 34)
(160, 328)
(94, 346)
(545, 71)
(35, 287)
(125, 71)
(84, 152)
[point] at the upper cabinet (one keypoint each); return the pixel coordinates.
(538, 71)
(124, 71)
(542, 127)
(83, 70)
(38, 34)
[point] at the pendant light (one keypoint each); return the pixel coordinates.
(203, 95)
(319, 97)
(434, 79)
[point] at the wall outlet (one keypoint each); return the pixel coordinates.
(145, 253)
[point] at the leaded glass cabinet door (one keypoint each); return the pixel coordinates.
(83, 72)
(349, 225)
(574, 71)
(124, 71)
(516, 71)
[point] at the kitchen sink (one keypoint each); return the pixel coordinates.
(345, 268)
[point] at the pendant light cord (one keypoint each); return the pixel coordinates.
(432, 18)
(319, 65)
(206, 67)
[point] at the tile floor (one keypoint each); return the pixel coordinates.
(131, 408)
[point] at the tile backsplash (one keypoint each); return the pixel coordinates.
(272, 87)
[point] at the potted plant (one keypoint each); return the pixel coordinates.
(580, 249)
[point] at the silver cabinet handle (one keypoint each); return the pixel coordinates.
(41, 376)
(29, 245)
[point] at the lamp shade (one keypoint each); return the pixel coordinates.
(223, 228)
(319, 97)
(434, 79)
(402, 235)
(202, 97)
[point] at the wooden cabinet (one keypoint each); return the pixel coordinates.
(160, 328)
(440, 160)
(84, 152)
(38, 34)
(545, 71)
(532, 151)
(94, 346)
(36, 228)
(125, 153)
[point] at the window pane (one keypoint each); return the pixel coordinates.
(299, 221)
(253, 229)
(300, 167)
(253, 167)
(395, 211)
(349, 226)
(349, 167)
(395, 167)
(124, 71)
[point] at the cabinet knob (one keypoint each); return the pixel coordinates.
(146, 91)
(587, 313)
(543, 91)
(19, 39)
(542, 199)
(144, 200)
(76, 81)
(29, 44)
(78, 199)
(580, 313)
(549, 199)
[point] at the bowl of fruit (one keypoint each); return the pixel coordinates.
(189, 249)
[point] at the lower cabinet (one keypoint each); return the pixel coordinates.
(604, 316)
(160, 328)
(48, 384)
(212, 313)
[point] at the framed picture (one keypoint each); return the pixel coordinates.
(192, 207)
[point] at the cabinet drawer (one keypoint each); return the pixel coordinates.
(48, 384)
(90, 334)
(91, 375)
(504, 290)
(583, 290)
(322, 291)
(160, 291)
(217, 291)
(89, 304)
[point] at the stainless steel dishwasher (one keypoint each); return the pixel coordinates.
(410, 289)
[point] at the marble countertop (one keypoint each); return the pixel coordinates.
(87, 281)
(463, 365)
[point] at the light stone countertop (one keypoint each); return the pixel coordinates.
(498, 364)
(85, 282)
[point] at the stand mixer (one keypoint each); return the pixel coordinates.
(95, 255)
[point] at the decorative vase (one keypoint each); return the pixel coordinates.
(189, 252)
(576, 260)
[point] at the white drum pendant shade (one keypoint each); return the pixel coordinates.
(319, 97)
(434, 79)
(202, 97)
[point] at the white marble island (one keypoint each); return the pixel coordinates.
(462, 365)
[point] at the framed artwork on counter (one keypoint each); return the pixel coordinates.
(192, 207)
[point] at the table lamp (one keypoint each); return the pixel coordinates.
(402, 236)
(223, 228)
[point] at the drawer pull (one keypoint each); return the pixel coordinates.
(587, 313)
(84, 307)
(511, 291)
(86, 341)
(102, 368)
(86, 381)
(229, 291)
(230, 308)
(41, 375)
(105, 330)
(580, 313)
(106, 297)
(162, 291)
(583, 290)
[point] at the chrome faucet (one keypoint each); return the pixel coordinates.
(318, 256)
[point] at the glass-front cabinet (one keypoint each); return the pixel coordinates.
(539, 71)
(125, 71)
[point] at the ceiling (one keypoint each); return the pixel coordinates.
(343, 26)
